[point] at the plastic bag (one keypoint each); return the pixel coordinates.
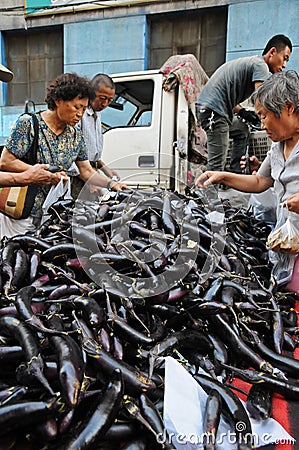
(263, 206)
(285, 239)
(61, 190)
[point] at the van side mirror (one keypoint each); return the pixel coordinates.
(115, 105)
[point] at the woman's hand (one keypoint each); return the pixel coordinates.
(117, 186)
(114, 173)
(111, 173)
(56, 177)
(292, 203)
(205, 179)
(112, 185)
(94, 177)
(38, 174)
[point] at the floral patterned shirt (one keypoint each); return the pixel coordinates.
(61, 150)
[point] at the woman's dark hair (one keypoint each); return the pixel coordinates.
(68, 86)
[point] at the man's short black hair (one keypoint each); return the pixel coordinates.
(280, 42)
(102, 79)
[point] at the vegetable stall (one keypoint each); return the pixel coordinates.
(97, 299)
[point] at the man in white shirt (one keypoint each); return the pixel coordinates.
(92, 130)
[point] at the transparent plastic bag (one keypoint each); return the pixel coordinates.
(263, 206)
(285, 239)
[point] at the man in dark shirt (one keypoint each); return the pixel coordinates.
(231, 84)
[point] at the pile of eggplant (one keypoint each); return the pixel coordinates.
(94, 300)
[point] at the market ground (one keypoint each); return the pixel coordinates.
(237, 199)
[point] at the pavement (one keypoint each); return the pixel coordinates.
(237, 199)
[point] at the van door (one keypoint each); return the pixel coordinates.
(181, 145)
(132, 129)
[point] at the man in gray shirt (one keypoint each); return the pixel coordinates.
(231, 84)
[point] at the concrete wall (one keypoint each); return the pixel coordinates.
(119, 44)
(115, 39)
(109, 45)
(251, 25)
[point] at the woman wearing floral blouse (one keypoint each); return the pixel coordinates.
(60, 144)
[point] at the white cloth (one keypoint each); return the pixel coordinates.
(12, 227)
(185, 70)
(184, 406)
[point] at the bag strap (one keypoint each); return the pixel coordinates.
(31, 155)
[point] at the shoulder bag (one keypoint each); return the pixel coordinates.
(17, 201)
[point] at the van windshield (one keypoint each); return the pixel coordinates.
(131, 106)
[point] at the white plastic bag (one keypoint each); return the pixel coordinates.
(11, 227)
(61, 190)
(285, 239)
